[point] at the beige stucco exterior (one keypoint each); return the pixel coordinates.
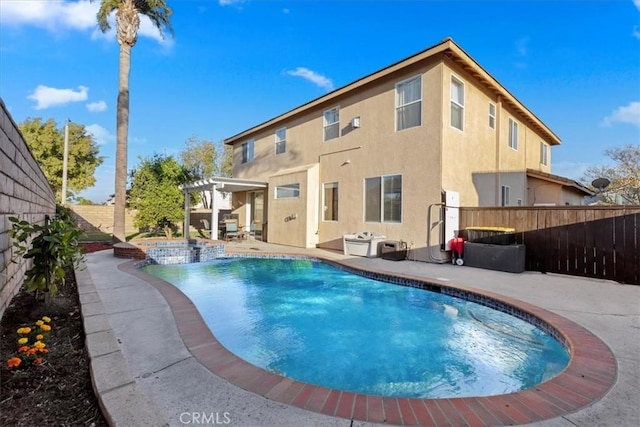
(430, 158)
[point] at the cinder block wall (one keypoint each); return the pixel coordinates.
(25, 193)
(100, 218)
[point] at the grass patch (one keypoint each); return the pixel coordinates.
(95, 236)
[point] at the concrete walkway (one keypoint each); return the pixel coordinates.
(145, 376)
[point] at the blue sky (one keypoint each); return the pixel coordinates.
(234, 64)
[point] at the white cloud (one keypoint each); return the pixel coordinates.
(313, 77)
(625, 114)
(148, 29)
(96, 107)
(522, 46)
(100, 135)
(50, 14)
(46, 97)
(636, 32)
(58, 16)
(637, 3)
(229, 2)
(286, 11)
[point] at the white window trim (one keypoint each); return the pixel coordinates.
(453, 101)
(513, 142)
(324, 123)
(395, 109)
(544, 153)
(334, 184)
(288, 187)
(278, 141)
(364, 207)
(250, 151)
(492, 117)
(505, 189)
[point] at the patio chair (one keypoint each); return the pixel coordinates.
(231, 231)
(251, 232)
(206, 229)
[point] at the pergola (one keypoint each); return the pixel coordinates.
(223, 184)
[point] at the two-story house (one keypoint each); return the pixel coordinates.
(380, 153)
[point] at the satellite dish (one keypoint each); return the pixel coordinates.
(600, 183)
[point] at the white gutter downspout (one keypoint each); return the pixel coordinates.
(498, 189)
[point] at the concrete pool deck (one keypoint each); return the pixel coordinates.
(148, 369)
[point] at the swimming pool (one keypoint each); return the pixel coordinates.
(315, 323)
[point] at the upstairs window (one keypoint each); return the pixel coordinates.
(281, 141)
(332, 123)
(288, 191)
(247, 151)
(513, 134)
(492, 116)
(409, 103)
(457, 103)
(544, 154)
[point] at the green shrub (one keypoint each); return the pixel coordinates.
(53, 247)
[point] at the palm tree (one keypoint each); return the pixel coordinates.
(127, 25)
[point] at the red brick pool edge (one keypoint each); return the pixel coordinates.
(590, 374)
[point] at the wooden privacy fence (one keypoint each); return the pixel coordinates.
(590, 241)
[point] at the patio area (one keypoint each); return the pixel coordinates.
(147, 373)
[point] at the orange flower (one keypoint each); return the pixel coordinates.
(14, 362)
(38, 360)
(24, 331)
(43, 350)
(39, 337)
(23, 349)
(45, 328)
(32, 351)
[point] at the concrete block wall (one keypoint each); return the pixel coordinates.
(25, 193)
(100, 218)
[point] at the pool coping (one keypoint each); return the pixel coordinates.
(590, 374)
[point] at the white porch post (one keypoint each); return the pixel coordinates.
(214, 214)
(187, 214)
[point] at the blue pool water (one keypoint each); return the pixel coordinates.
(312, 322)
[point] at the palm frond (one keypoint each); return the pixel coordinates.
(159, 13)
(157, 10)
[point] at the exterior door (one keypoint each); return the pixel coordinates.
(256, 219)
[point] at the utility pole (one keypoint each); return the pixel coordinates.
(65, 161)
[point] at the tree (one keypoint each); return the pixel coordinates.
(624, 174)
(206, 159)
(84, 202)
(226, 163)
(155, 194)
(46, 142)
(127, 25)
(200, 158)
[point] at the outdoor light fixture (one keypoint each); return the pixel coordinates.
(355, 122)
